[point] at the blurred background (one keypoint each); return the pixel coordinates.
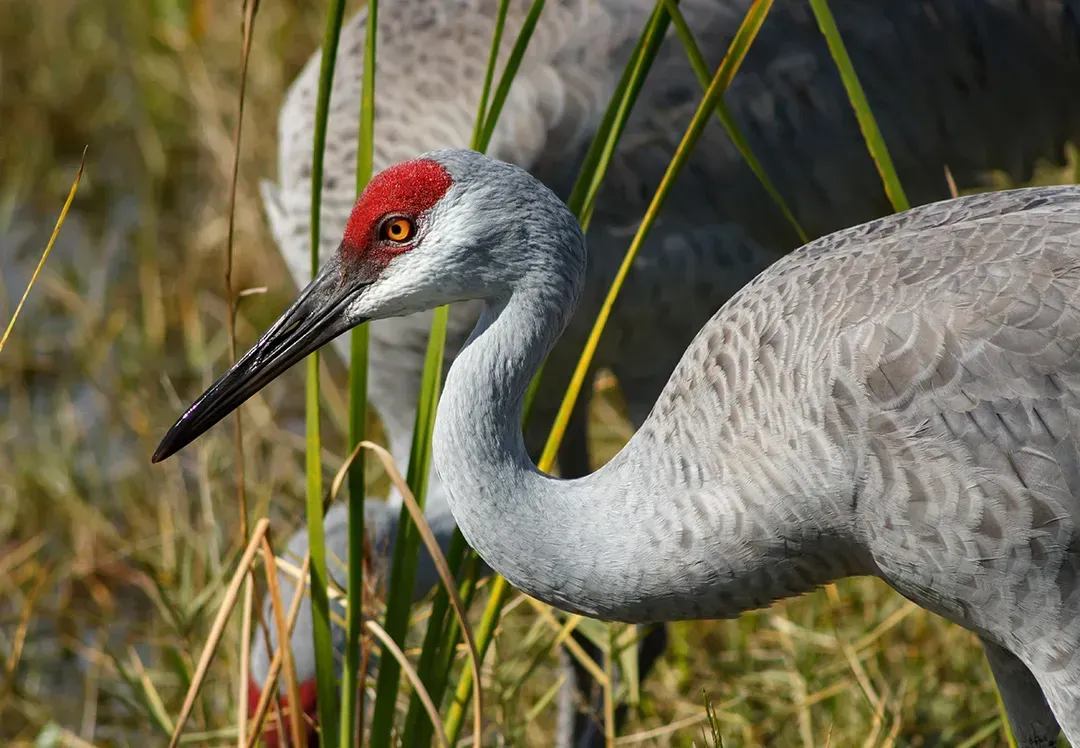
(102, 557)
(111, 572)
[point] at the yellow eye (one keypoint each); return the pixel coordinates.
(398, 229)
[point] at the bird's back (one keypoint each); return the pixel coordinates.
(916, 379)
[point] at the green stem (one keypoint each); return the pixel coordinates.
(507, 79)
(437, 652)
(701, 70)
(485, 634)
(358, 374)
(874, 141)
(407, 546)
(489, 74)
(320, 603)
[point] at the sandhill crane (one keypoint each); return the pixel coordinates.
(898, 399)
(951, 81)
(429, 77)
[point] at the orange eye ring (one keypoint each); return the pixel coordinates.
(398, 229)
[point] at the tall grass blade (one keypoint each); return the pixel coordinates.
(440, 640)
(701, 70)
(48, 249)
(485, 632)
(439, 646)
(358, 374)
(598, 157)
(489, 74)
(441, 566)
(246, 616)
(583, 194)
(627, 653)
(250, 8)
(270, 686)
(391, 647)
(320, 604)
(737, 50)
(292, 687)
(874, 141)
(951, 183)
(142, 687)
(218, 628)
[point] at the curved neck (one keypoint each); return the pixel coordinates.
(524, 524)
(638, 540)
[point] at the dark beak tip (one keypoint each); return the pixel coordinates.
(163, 452)
(168, 446)
(315, 318)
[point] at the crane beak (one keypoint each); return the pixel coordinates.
(316, 317)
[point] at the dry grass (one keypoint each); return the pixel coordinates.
(112, 572)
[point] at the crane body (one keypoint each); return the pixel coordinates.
(898, 399)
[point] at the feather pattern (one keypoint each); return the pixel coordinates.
(899, 399)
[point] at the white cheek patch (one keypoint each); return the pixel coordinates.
(436, 270)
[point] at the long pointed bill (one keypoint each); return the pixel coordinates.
(315, 318)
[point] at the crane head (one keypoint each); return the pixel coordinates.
(447, 226)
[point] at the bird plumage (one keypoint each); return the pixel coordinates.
(896, 399)
(899, 399)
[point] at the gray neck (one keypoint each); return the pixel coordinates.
(635, 541)
(526, 525)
